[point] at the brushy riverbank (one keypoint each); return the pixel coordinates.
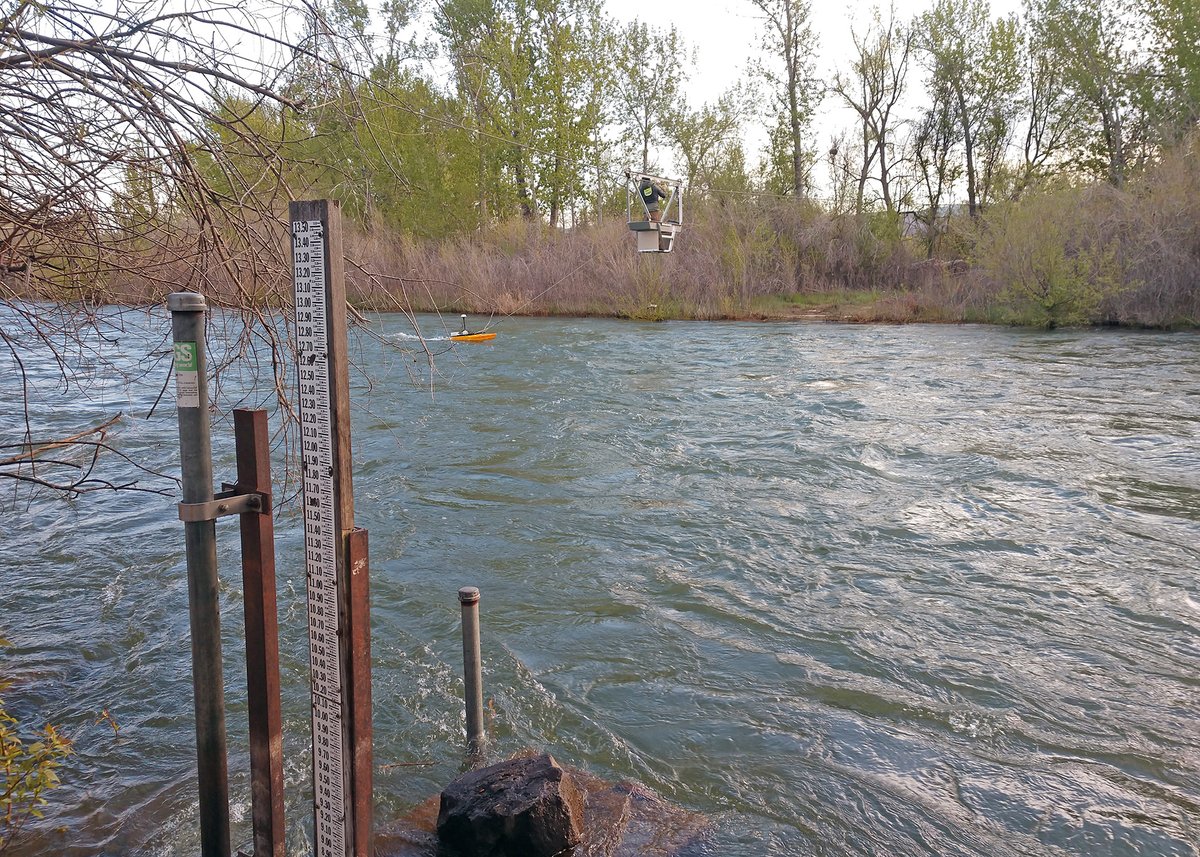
(1060, 256)
(1091, 255)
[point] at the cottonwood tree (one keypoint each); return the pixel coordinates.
(872, 87)
(535, 74)
(1052, 115)
(1003, 108)
(493, 54)
(652, 68)
(844, 175)
(707, 140)
(471, 39)
(976, 61)
(388, 143)
(1175, 27)
(1093, 46)
(934, 145)
(336, 54)
(571, 91)
(790, 44)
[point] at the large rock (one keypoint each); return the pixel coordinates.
(526, 807)
(619, 820)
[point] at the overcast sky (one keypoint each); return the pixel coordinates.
(727, 32)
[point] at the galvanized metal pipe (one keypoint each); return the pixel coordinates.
(195, 444)
(468, 598)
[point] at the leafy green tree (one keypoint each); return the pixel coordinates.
(471, 36)
(570, 89)
(935, 144)
(790, 43)
(975, 61)
(1092, 43)
(649, 84)
(707, 141)
(1052, 114)
(1175, 27)
(407, 168)
(845, 175)
(1002, 106)
(142, 198)
(331, 146)
(535, 75)
(398, 16)
(729, 173)
(247, 149)
(491, 60)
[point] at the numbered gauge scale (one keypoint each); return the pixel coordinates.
(321, 534)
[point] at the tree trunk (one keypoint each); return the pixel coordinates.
(555, 196)
(885, 180)
(789, 49)
(864, 171)
(797, 161)
(1114, 141)
(528, 211)
(969, 146)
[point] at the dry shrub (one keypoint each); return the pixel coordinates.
(1158, 225)
(142, 269)
(730, 254)
(1099, 254)
(1064, 256)
(1050, 257)
(517, 267)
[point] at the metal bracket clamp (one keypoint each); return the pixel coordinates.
(231, 501)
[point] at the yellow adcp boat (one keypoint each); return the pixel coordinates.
(465, 335)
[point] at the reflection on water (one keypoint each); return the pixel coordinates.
(848, 590)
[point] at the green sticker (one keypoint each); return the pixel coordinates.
(185, 357)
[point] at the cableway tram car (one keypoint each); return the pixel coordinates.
(654, 210)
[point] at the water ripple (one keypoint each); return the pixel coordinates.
(849, 591)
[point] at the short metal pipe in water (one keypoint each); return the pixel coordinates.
(200, 537)
(468, 598)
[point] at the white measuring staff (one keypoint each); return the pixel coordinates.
(320, 536)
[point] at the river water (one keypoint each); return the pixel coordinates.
(921, 590)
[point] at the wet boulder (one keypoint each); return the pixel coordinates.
(525, 807)
(619, 820)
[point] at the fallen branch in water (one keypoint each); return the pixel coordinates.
(84, 482)
(35, 450)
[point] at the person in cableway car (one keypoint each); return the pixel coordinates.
(651, 194)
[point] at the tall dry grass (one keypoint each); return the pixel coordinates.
(1095, 254)
(729, 256)
(1158, 226)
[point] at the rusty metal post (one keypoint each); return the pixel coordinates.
(359, 689)
(468, 598)
(204, 609)
(253, 447)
